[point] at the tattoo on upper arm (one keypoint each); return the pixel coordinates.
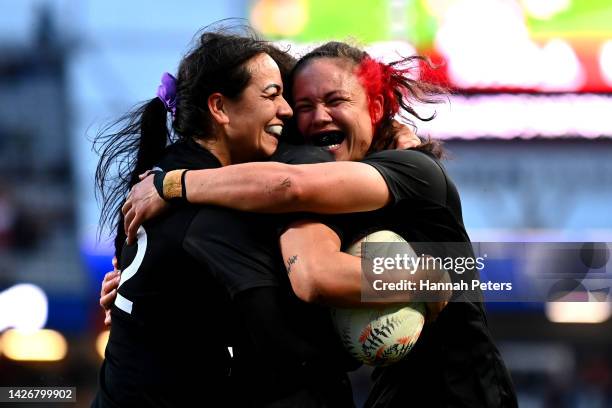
(292, 260)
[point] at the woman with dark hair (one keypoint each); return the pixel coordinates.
(141, 142)
(345, 102)
(208, 266)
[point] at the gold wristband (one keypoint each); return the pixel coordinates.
(173, 185)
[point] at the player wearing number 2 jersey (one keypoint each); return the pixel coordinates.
(155, 355)
(192, 261)
(201, 279)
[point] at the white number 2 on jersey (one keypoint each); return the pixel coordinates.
(120, 301)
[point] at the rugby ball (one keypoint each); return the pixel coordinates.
(379, 336)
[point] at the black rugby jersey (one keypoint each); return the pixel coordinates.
(162, 341)
(200, 280)
(455, 362)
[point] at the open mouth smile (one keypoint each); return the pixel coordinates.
(274, 130)
(329, 140)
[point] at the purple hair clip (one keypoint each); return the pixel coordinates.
(167, 92)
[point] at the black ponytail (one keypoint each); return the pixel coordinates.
(135, 147)
(154, 137)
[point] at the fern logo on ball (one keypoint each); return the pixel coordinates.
(379, 336)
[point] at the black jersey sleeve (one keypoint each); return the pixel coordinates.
(410, 175)
(240, 248)
(300, 154)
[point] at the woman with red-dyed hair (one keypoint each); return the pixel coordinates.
(345, 102)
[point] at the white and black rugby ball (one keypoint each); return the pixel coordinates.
(380, 336)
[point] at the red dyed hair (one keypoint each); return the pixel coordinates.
(392, 82)
(380, 79)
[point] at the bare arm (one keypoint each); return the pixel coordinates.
(319, 272)
(326, 188)
(337, 187)
(274, 187)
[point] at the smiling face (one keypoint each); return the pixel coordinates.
(331, 108)
(255, 117)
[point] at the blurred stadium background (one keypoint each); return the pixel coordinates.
(529, 129)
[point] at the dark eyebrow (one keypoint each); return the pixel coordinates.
(330, 94)
(276, 86)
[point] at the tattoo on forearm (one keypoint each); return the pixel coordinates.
(292, 260)
(286, 183)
